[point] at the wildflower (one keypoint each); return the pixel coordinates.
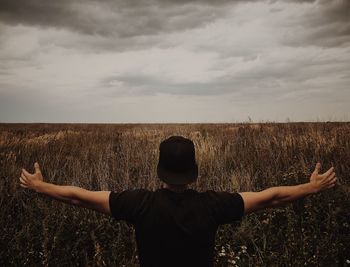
(347, 261)
(265, 221)
(232, 261)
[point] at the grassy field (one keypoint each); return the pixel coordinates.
(37, 231)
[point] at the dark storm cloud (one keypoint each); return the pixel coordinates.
(121, 18)
(327, 24)
(335, 19)
(119, 25)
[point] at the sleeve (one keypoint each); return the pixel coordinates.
(127, 205)
(226, 207)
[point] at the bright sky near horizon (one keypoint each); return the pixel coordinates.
(174, 61)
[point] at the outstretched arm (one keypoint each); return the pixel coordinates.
(281, 195)
(95, 200)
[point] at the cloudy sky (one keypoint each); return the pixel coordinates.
(174, 60)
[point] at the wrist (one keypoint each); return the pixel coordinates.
(312, 188)
(39, 186)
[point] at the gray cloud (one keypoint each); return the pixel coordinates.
(268, 77)
(151, 85)
(113, 17)
(327, 24)
(121, 18)
(109, 25)
(122, 25)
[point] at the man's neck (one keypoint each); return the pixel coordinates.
(175, 188)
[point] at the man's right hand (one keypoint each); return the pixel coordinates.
(29, 180)
(323, 181)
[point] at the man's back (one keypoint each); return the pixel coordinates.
(176, 229)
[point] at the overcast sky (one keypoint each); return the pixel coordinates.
(174, 61)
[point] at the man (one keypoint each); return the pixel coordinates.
(175, 225)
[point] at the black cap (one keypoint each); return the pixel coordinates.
(177, 162)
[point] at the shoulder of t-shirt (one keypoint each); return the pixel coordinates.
(140, 190)
(211, 192)
(133, 191)
(137, 194)
(126, 204)
(224, 194)
(214, 196)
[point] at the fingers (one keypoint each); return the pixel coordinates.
(22, 180)
(327, 173)
(24, 177)
(317, 168)
(26, 173)
(332, 182)
(330, 177)
(330, 186)
(37, 167)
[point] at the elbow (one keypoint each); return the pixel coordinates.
(76, 202)
(281, 201)
(76, 195)
(275, 199)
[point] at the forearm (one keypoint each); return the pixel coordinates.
(282, 195)
(95, 200)
(68, 194)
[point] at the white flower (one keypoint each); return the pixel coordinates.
(232, 261)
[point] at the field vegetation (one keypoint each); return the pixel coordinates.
(38, 231)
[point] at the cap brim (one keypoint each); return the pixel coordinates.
(177, 178)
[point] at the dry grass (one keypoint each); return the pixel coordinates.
(38, 231)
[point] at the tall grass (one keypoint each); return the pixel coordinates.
(38, 231)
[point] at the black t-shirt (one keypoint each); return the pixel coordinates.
(176, 229)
